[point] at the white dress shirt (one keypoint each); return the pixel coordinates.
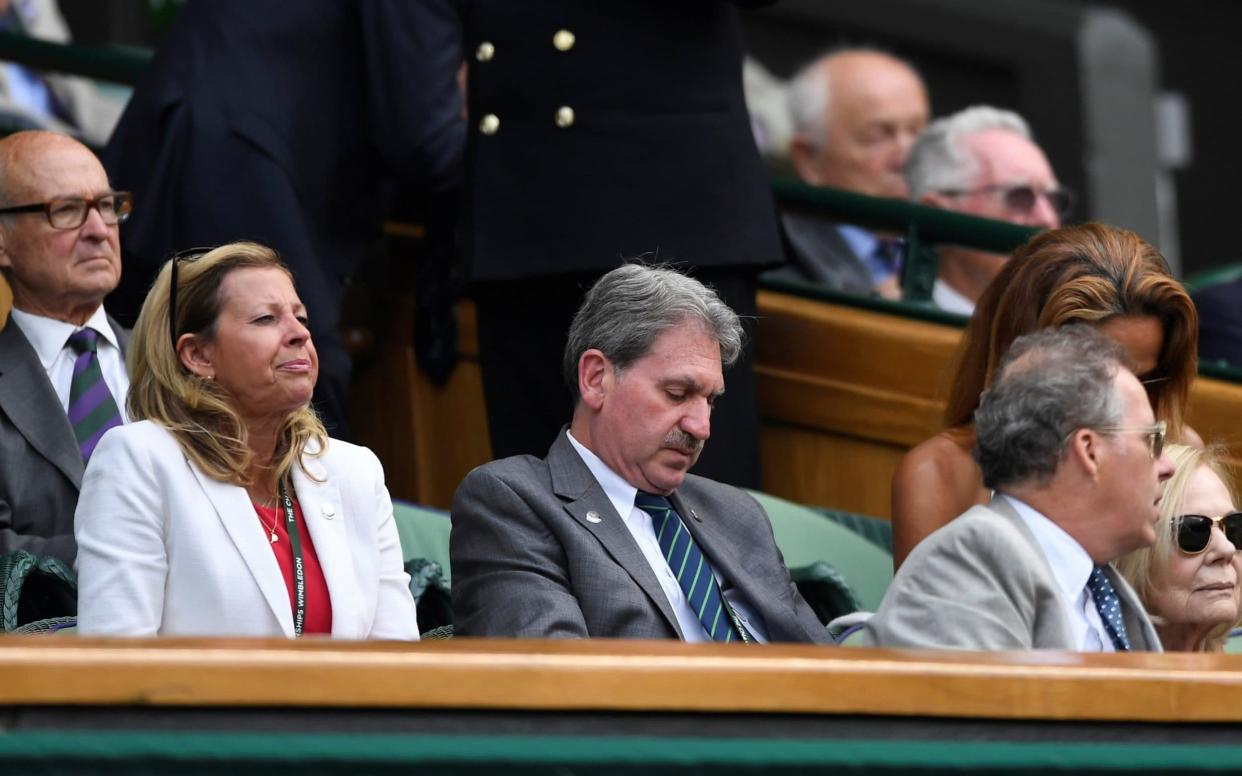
(1071, 566)
(948, 299)
(622, 495)
(49, 339)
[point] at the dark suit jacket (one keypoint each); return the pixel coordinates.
(818, 253)
(1220, 322)
(40, 463)
(527, 562)
(659, 160)
(288, 124)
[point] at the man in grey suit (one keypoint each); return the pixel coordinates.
(62, 366)
(1066, 439)
(608, 536)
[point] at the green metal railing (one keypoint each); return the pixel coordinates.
(117, 64)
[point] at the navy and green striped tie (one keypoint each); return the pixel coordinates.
(92, 410)
(686, 561)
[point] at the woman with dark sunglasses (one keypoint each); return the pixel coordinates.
(1095, 274)
(1188, 580)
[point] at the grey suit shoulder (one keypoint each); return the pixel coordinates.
(42, 466)
(819, 254)
(538, 550)
(982, 582)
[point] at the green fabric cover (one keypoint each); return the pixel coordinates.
(805, 537)
(183, 753)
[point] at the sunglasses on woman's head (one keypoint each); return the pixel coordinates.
(189, 254)
(1194, 532)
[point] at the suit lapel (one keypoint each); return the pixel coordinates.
(235, 511)
(29, 401)
(573, 481)
(325, 519)
(719, 548)
(1142, 633)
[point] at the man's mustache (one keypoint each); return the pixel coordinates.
(680, 439)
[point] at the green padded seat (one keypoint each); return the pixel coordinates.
(424, 534)
(806, 537)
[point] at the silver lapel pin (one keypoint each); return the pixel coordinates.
(695, 515)
(593, 517)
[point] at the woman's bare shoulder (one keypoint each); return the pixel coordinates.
(944, 457)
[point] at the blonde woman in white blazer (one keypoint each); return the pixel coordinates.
(225, 510)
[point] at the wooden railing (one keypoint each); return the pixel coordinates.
(608, 675)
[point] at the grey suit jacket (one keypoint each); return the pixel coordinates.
(527, 562)
(819, 254)
(40, 464)
(982, 582)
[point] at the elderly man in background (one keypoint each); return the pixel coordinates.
(608, 536)
(1069, 446)
(62, 366)
(856, 114)
(982, 161)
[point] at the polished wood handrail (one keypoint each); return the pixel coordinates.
(618, 676)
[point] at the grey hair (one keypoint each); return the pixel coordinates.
(1051, 383)
(808, 93)
(630, 307)
(938, 161)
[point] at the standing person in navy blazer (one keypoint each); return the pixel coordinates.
(225, 509)
(598, 130)
(290, 124)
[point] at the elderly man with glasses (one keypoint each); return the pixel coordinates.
(1068, 444)
(62, 365)
(983, 162)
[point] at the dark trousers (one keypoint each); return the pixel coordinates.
(522, 328)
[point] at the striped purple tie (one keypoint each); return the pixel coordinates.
(92, 410)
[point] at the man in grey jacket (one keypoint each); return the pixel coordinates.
(608, 535)
(1067, 441)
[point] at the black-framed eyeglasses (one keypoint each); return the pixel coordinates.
(1022, 197)
(1154, 434)
(1194, 532)
(70, 212)
(189, 254)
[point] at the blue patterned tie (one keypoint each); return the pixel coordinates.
(1109, 606)
(92, 410)
(686, 561)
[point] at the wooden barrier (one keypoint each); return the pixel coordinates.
(607, 675)
(87, 706)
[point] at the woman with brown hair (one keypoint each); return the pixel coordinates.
(225, 509)
(1094, 274)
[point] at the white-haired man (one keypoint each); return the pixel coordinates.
(982, 161)
(855, 113)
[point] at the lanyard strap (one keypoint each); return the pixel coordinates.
(299, 573)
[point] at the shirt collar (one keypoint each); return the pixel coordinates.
(1071, 565)
(48, 336)
(618, 491)
(861, 241)
(950, 299)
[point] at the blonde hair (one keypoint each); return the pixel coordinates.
(198, 412)
(1145, 569)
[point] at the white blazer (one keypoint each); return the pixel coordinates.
(163, 549)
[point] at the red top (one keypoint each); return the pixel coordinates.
(318, 602)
